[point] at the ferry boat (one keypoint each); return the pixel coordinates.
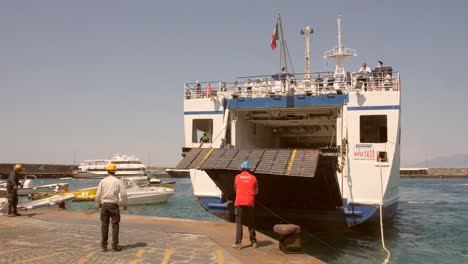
(126, 166)
(326, 152)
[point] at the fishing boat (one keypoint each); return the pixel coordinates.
(126, 166)
(324, 146)
(146, 195)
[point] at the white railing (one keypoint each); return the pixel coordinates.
(290, 84)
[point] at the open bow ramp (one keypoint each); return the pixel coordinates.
(291, 181)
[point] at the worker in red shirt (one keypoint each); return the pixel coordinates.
(246, 187)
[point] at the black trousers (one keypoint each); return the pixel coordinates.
(110, 212)
(12, 197)
(245, 214)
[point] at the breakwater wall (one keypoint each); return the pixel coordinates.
(40, 170)
(434, 173)
(54, 170)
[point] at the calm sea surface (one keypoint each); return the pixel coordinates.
(431, 225)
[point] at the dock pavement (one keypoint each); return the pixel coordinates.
(63, 236)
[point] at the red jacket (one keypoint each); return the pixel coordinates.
(246, 186)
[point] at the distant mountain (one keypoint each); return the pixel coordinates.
(452, 161)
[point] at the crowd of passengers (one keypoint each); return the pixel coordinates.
(379, 79)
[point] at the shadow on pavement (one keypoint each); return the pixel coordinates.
(135, 245)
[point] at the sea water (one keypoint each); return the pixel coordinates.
(431, 224)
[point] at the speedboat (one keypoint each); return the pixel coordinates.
(147, 195)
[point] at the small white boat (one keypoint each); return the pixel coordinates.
(53, 200)
(147, 195)
(47, 188)
(29, 189)
(50, 201)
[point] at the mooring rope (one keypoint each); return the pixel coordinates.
(387, 260)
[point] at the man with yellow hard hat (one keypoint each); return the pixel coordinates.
(12, 190)
(107, 198)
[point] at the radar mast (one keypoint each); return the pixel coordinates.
(339, 53)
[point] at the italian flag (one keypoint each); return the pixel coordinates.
(274, 37)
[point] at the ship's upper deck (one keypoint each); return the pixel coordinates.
(381, 80)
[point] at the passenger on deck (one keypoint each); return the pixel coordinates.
(256, 88)
(188, 93)
(236, 88)
(379, 75)
(348, 79)
(388, 83)
(364, 75)
(266, 87)
(319, 83)
(248, 87)
(364, 70)
(208, 90)
(223, 87)
(198, 92)
(330, 81)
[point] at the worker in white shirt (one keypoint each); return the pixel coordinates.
(107, 198)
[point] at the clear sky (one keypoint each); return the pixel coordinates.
(92, 78)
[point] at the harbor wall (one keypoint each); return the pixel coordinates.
(40, 170)
(54, 170)
(440, 173)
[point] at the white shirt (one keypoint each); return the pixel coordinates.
(365, 70)
(109, 189)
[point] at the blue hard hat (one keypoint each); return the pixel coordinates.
(245, 165)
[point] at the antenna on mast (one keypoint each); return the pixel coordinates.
(339, 53)
(307, 31)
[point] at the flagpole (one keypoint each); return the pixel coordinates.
(283, 46)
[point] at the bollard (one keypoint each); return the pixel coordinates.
(290, 239)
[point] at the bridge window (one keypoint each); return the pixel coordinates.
(373, 128)
(201, 126)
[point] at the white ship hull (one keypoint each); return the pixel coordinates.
(325, 154)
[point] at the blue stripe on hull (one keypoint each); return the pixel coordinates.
(287, 101)
(203, 112)
(377, 107)
(357, 214)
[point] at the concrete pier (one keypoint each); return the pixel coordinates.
(61, 236)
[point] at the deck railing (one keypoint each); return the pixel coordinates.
(295, 84)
